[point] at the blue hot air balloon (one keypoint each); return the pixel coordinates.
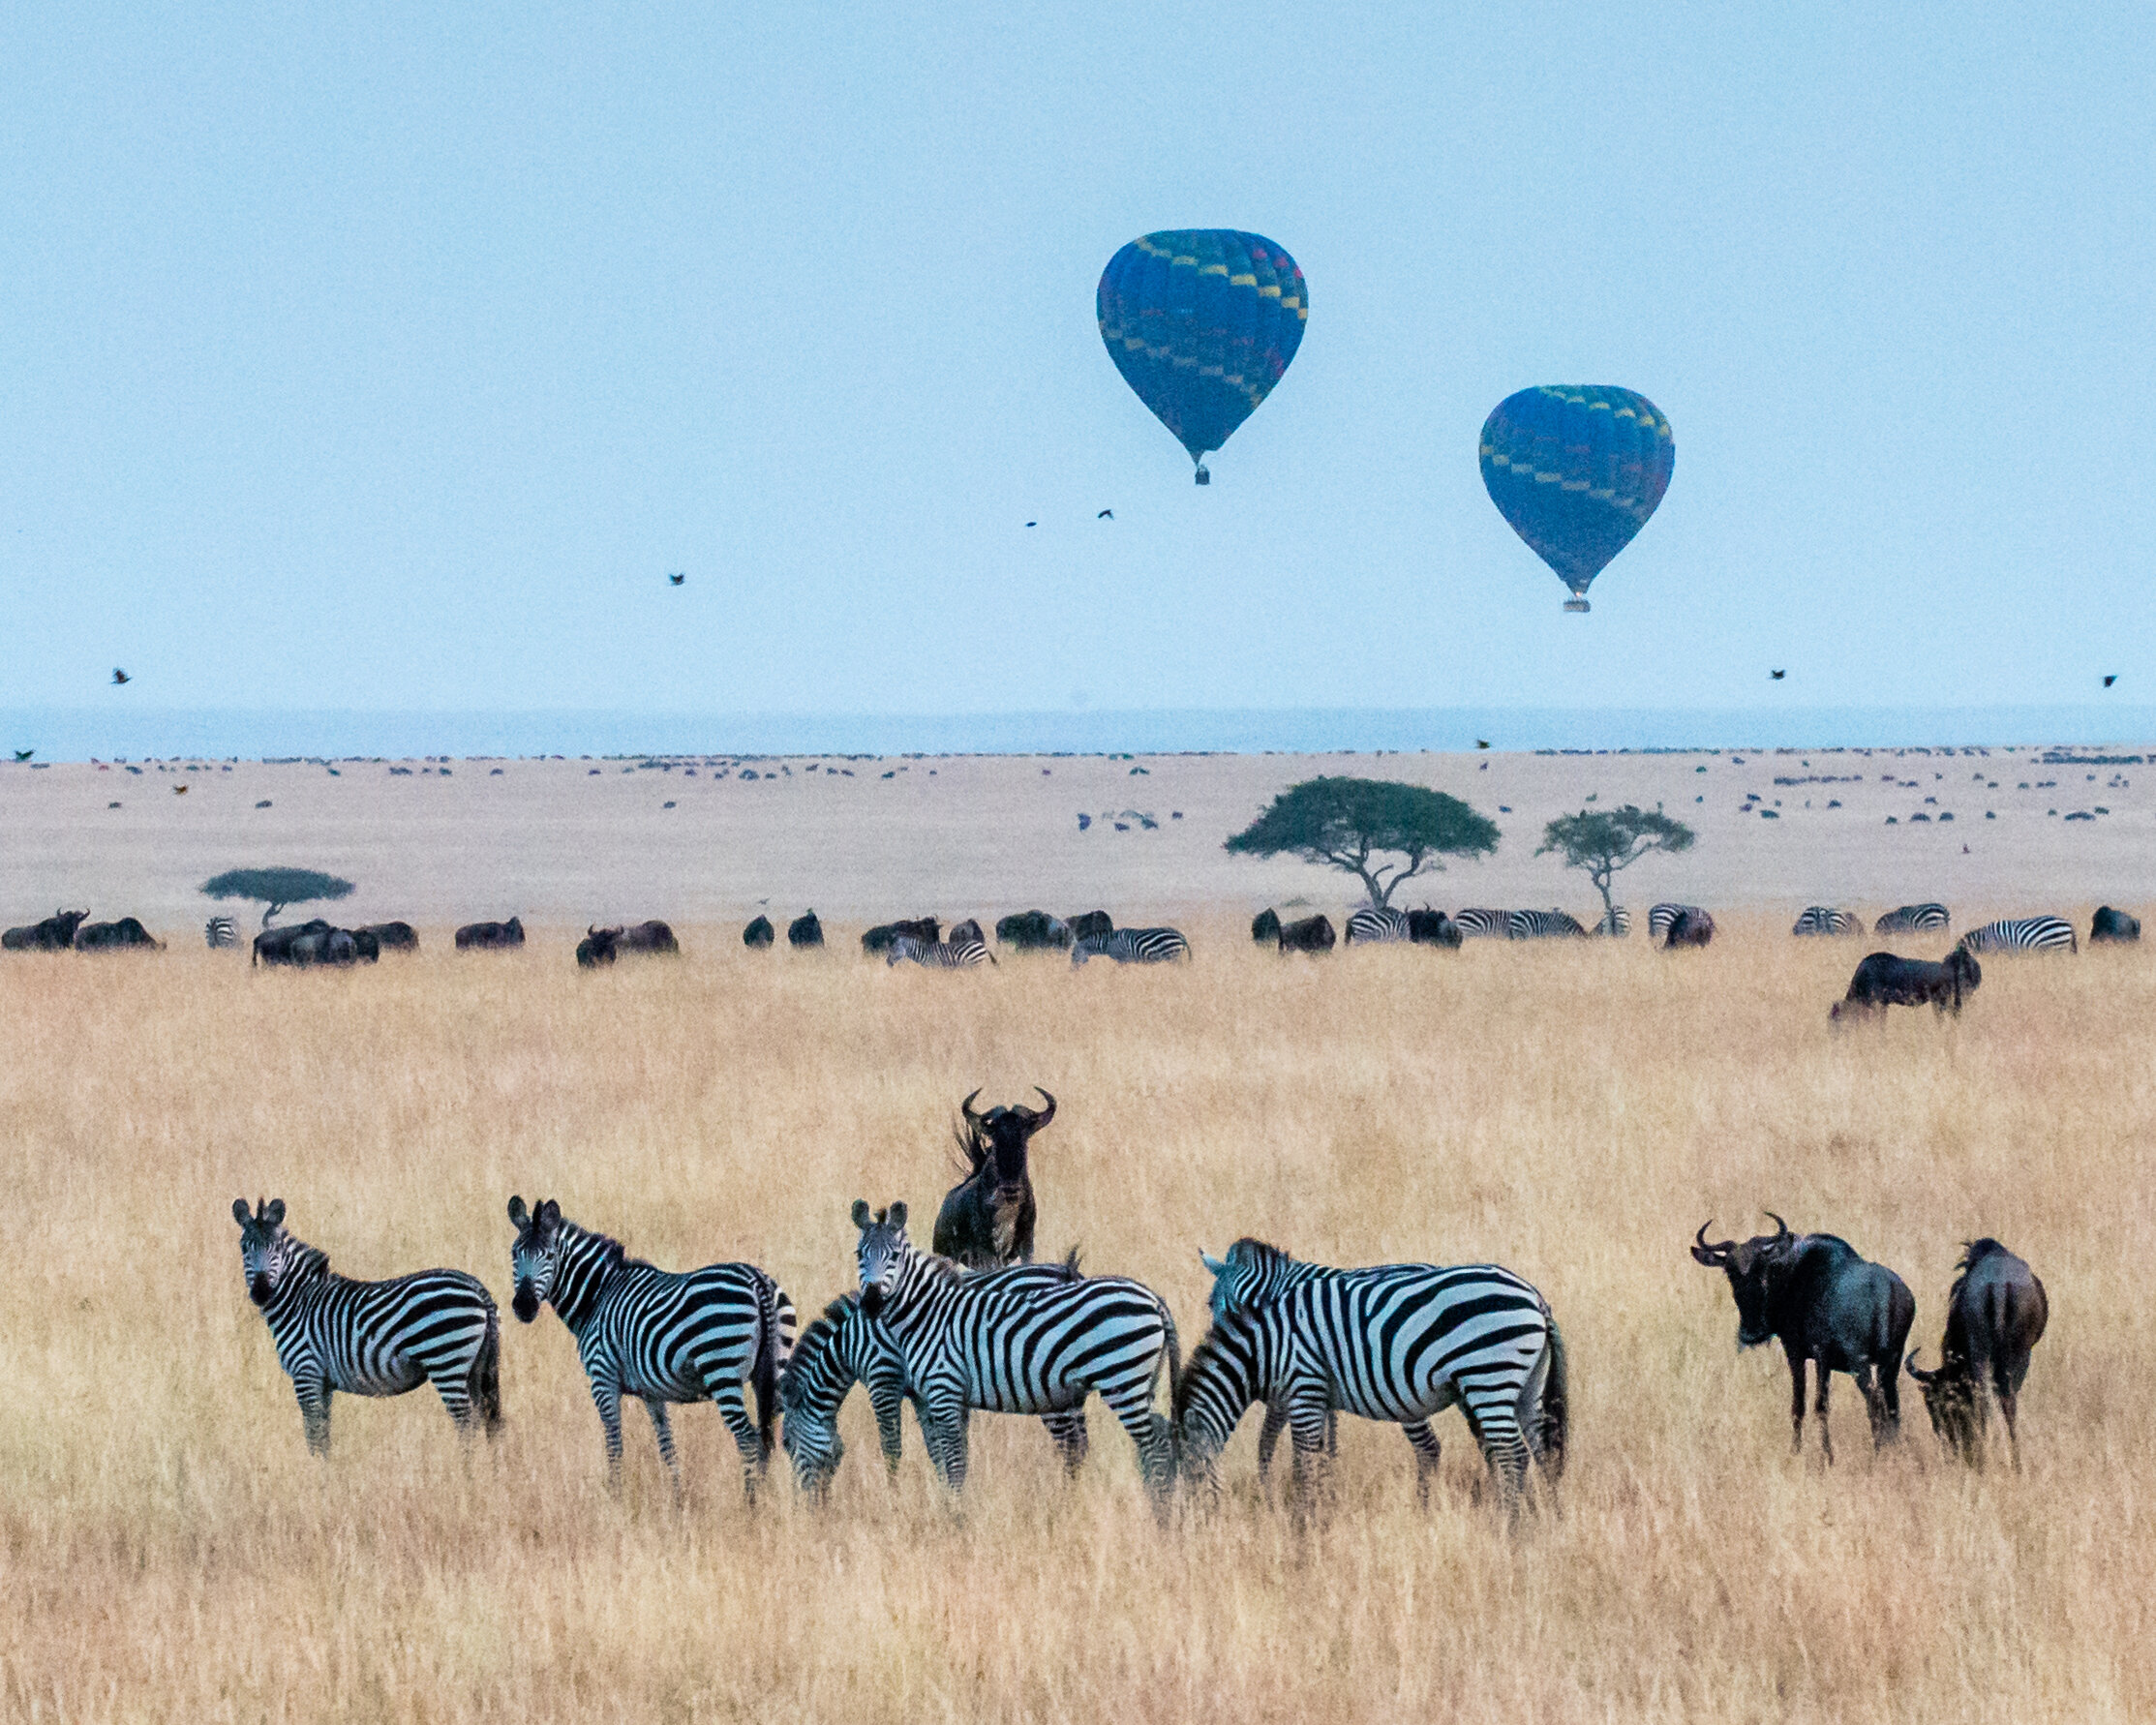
(1577, 471)
(1202, 323)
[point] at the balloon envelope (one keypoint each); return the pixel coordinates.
(1577, 471)
(1202, 323)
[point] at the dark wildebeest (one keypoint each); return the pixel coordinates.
(642, 937)
(599, 946)
(490, 934)
(1033, 931)
(366, 945)
(1994, 1315)
(390, 937)
(1883, 980)
(969, 929)
(1427, 927)
(986, 1219)
(805, 932)
(55, 934)
(1824, 1304)
(1313, 935)
(2110, 924)
(759, 934)
(1091, 926)
(1691, 927)
(1265, 927)
(113, 937)
(310, 943)
(926, 930)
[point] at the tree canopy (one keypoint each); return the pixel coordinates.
(276, 887)
(1355, 824)
(1605, 841)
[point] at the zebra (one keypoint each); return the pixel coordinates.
(1255, 1274)
(975, 1341)
(1820, 918)
(1131, 946)
(1496, 923)
(1542, 926)
(657, 1335)
(1661, 915)
(945, 954)
(1371, 924)
(1396, 1343)
(1616, 923)
(370, 1338)
(2022, 935)
(845, 1347)
(220, 932)
(1912, 919)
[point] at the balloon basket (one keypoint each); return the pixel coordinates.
(1578, 602)
(1202, 476)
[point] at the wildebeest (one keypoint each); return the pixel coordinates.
(1033, 931)
(55, 934)
(1427, 927)
(805, 932)
(1884, 980)
(1311, 934)
(602, 946)
(310, 943)
(2110, 924)
(1825, 1304)
(1994, 1315)
(1090, 926)
(491, 935)
(596, 948)
(113, 937)
(365, 945)
(391, 937)
(759, 934)
(926, 930)
(1265, 927)
(967, 931)
(1691, 927)
(986, 1219)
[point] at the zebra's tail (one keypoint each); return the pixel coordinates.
(773, 1349)
(486, 1374)
(1545, 1408)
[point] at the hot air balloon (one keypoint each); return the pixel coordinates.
(1577, 471)
(1202, 323)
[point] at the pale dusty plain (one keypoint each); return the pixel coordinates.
(170, 1550)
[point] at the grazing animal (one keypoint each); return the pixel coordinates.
(658, 1335)
(1884, 980)
(1265, 927)
(1912, 919)
(55, 934)
(971, 1341)
(878, 939)
(304, 945)
(1310, 934)
(1661, 915)
(113, 937)
(1821, 919)
(491, 936)
(1476, 924)
(603, 946)
(1136, 946)
(967, 931)
(2024, 934)
(1692, 927)
(1090, 926)
(1823, 1303)
(805, 932)
(949, 955)
(759, 934)
(596, 948)
(1033, 931)
(1370, 924)
(391, 937)
(2110, 924)
(370, 1338)
(1398, 1343)
(1616, 923)
(220, 932)
(1995, 1314)
(986, 1219)
(1427, 927)
(1549, 925)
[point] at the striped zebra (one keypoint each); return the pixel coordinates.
(1396, 1343)
(943, 955)
(1131, 946)
(2022, 935)
(1369, 926)
(1821, 919)
(1661, 915)
(1912, 919)
(1492, 924)
(370, 1338)
(1616, 923)
(220, 932)
(975, 1342)
(657, 1335)
(1542, 926)
(845, 1347)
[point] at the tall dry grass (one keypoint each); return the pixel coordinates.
(169, 1549)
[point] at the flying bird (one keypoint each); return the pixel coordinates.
(1777, 676)
(1032, 524)
(677, 580)
(23, 754)
(179, 790)
(2109, 680)
(1481, 742)
(119, 676)
(1106, 515)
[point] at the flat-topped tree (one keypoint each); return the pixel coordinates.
(276, 887)
(1604, 841)
(1378, 830)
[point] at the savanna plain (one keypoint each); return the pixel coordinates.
(169, 1549)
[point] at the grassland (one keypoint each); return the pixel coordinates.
(169, 1550)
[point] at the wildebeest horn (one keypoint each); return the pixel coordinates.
(1921, 1376)
(1708, 1253)
(1779, 1223)
(591, 930)
(1044, 1116)
(966, 1109)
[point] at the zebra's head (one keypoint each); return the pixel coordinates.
(810, 1392)
(1239, 1279)
(535, 1257)
(882, 1253)
(266, 1252)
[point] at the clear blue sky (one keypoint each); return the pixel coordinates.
(391, 357)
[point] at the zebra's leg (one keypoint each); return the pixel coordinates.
(1068, 1430)
(1307, 1416)
(944, 1421)
(454, 1386)
(1424, 1442)
(733, 1409)
(313, 1411)
(1132, 1403)
(606, 1397)
(890, 1405)
(1268, 1439)
(1504, 1451)
(662, 1428)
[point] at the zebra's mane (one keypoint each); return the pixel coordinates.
(615, 1254)
(308, 1260)
(1263, 1250)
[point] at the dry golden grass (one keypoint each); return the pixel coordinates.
(169, 1549)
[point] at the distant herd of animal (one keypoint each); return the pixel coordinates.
(976, 1326)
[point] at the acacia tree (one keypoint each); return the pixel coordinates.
(276, 887)
(1355, 824)
(1607, 840)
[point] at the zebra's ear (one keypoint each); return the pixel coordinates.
(548, 1213)
(518, 1214)
(898, 1216)
(274, 1214)
(1218, 1266)
(861, 1213)
(241, 1214)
